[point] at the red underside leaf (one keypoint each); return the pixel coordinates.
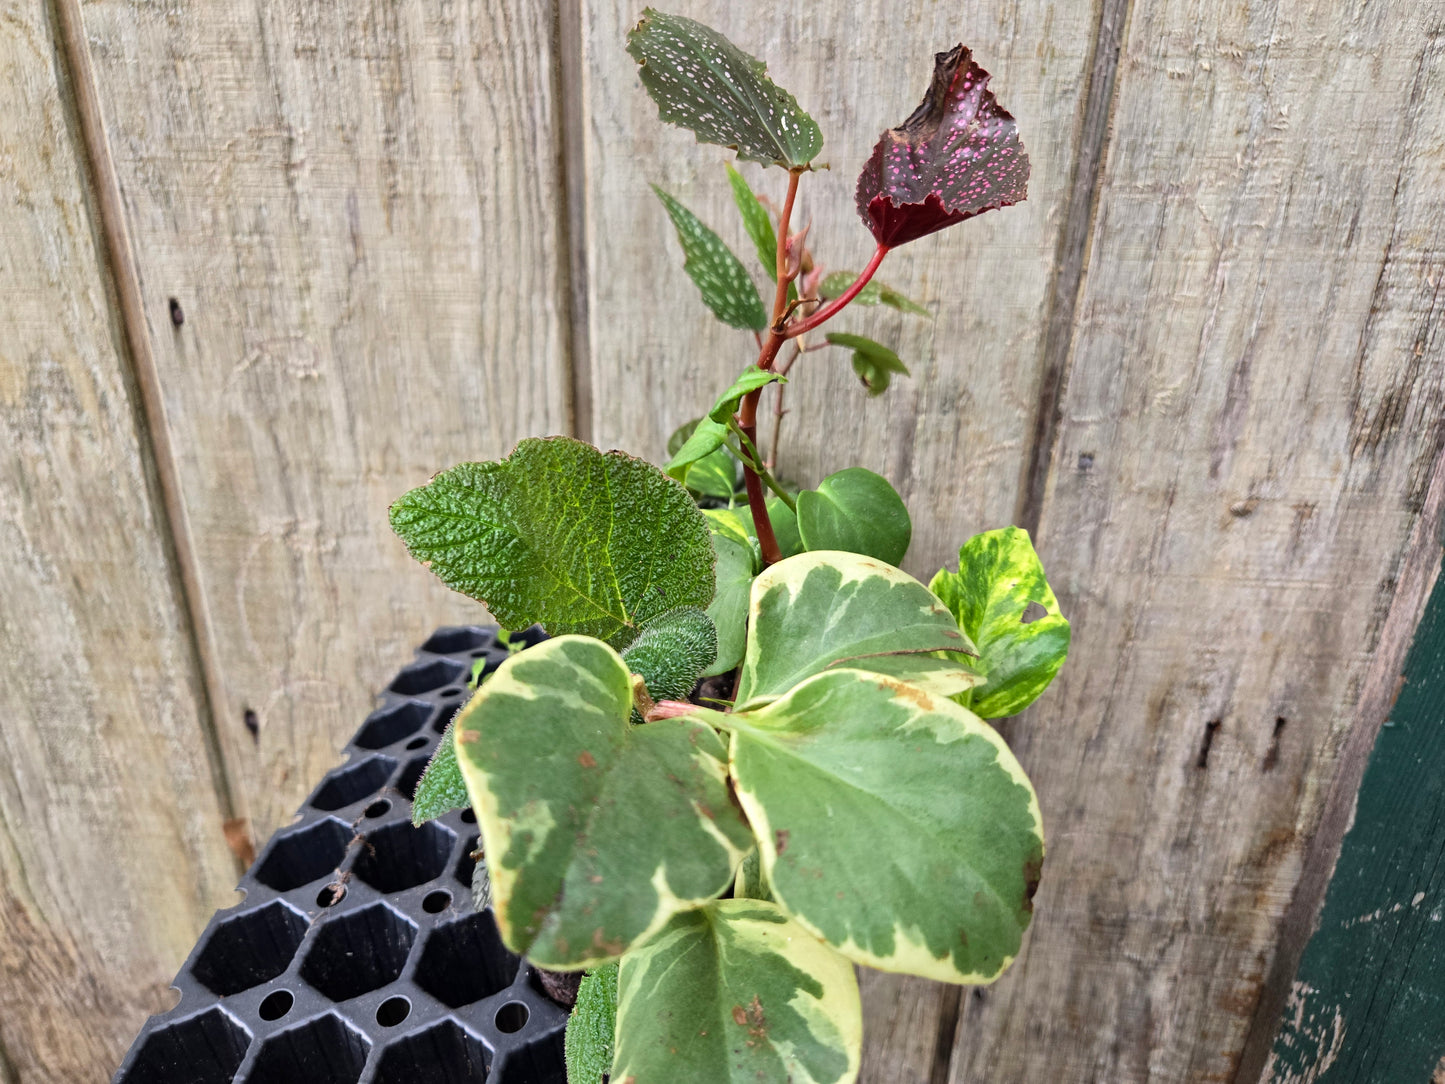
(957, 156)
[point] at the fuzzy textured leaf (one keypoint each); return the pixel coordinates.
(672, 652)
(592, 1027)
(736, 993)
(836, 284)
(958, 155)
(441, 787)
(855, 510)
(562, 535)
(706, 84)
(893, 823)
(999, 575)
(820, 610)
(726, 287)
(874, 363)
(596, 831)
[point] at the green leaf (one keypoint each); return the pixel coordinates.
(784, 521)
(714, 475)
(596, 831)
(562, 535)
(441, 787)
(756, 221)
(820, 610)
(592, 1027)
(874, 363)
(750, 884)
(705, 441)
(892, 823)
(998, 575)
(749, 380)
(724, 282)
(729, 609)
(705, 83)
(836, 284)
(735, 993)
(858, 511)
(672, 651)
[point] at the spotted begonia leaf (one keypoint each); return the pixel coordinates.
(958, 155)
(999, 575)
(756, 221)
(893, 823)
(562, 535)
(855, 510)
(718, 273)
(705, 83)
(592, 1027)
(736, 993)
(836, 284)
(830, 609)
(596, 831)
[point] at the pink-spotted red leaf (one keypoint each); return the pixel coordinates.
(957, 156)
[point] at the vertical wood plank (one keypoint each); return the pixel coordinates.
(356, 209)
(1252, 415)
(955, 438)
(111, 850)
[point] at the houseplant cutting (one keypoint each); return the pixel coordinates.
(717, 856)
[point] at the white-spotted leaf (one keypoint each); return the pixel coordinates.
(836, 283)
(720, 276)
(736, 993)
(596, 831)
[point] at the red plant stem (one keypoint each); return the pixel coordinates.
(830, 310)
(748, 409)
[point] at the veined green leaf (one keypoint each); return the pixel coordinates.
(836, 284)
(672, 651)
(735, 993)
(751, 379)
(714, 475)
(562, 535)
(705, 83)
(874, 363)
(596, 831)
(729, 609)
(592, 1027)
(441, 787)
(730, 523)
(893, 823)
(820, 610)
(726, 287)
(756, 221)
(858, 511)
(705, 442)
(998, 575)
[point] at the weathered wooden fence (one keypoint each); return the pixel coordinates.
(264, 265)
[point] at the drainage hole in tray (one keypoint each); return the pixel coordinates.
(331, 895)
(511, 1017)
(393, 1011)
(378, 808)
(276, 1005)
(436, 902)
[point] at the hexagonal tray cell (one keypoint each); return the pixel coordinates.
(453, 641)
(409, 778)
(250, 949)
(538, 1062)
(355, 953)
(300, 857)
(467, 865)
(352, 783)
(399, 856)
(392, 724)
(445, 1054)
(206, 1049)
(321, 1051)
(465, 961)
(423, 677)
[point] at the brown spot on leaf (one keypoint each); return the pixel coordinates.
(780, 840)
(587, 760)
(468, 735)
(740, 1018)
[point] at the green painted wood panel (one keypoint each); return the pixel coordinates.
(1368, 1002)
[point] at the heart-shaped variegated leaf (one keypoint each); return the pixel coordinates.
(893, 823)
(999, 575)
(830, 609)
(735, 993)
(705, 83)
(957, 156)
(596, 831)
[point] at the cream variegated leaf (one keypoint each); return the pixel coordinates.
(596, 832)
(736, 993)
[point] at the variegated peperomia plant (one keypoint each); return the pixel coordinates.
(753, 751)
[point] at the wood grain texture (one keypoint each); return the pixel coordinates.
(1252, 412)
(356, 209)
(111, 848)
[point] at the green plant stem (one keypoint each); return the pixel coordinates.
(748, 410)
(830, 310)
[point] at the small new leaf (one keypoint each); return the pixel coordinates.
(715, 475)
(705, 83)
(562, 535)
(957, 156)
(874, 363)
(592, 1027)
(875, 293)
(756, 221)
(441, 787)
(672, 651)
(720, 275)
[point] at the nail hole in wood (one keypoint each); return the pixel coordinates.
(1086, 460)
(178, 316)
(252, 724)
(1271, 757)
(1209, 731)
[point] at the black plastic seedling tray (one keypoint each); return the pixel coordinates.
(356, 955)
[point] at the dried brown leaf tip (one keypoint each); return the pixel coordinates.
(957, 156)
